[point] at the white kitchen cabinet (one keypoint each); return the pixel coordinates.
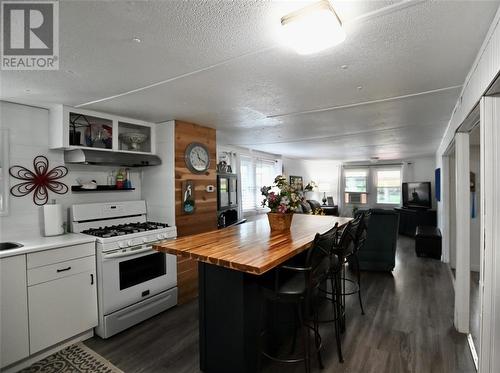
(72, 128)
(62, 294)
(14, 340)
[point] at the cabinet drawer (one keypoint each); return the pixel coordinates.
(62, 254)
(60, 270)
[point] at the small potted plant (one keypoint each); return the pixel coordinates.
(282, 199)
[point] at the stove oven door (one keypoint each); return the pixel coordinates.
(134, 274)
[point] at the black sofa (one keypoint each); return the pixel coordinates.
(379, 251)
(311, 205)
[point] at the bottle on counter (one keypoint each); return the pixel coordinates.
(127, 184)
(111, 178)
(120, 179)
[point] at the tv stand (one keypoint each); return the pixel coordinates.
(411, 218)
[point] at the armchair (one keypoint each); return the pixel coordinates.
(379, 250)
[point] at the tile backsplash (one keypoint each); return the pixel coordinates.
(29, 137)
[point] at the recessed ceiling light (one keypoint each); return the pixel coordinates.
(344, 67)
(313, 28)
(27, 90)
(360, 87)
(135, 39)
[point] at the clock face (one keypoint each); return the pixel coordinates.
(197, 157)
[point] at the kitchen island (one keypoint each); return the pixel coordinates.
(230, 263)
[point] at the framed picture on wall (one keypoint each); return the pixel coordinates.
(296, 182)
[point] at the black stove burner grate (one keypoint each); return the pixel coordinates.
(123, 229)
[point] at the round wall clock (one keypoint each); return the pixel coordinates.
(197, 158)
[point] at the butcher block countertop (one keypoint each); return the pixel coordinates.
(251, 247)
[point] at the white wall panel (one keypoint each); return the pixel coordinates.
(482, 73)
(29, 136)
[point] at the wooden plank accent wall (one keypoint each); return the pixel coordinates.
(204, 218)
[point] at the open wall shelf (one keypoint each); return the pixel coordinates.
(100, 188)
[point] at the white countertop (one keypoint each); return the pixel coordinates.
(33, 244)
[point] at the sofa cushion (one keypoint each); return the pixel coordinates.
(314, 204)
(306, 208)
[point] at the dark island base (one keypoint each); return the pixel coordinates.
(229, 306)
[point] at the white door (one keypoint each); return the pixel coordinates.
(14, 342)
(61, 309)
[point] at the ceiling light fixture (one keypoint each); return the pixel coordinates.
(313, 28)
(135, 39)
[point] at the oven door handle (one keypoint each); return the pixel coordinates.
(128, 253)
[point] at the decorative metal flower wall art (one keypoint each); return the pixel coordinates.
(39, 181)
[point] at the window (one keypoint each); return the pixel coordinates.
(388, 184)
(255, 173)
(355, 186)
(356, 181)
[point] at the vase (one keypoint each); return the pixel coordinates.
(280, 222)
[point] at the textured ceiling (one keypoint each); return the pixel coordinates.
(217, 63)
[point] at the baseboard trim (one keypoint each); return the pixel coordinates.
(43, 354)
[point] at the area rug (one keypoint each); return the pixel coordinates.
(76, 358)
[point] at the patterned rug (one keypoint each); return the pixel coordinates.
(76, 358)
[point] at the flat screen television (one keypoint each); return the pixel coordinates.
(417, 195)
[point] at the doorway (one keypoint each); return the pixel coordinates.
(475, 239)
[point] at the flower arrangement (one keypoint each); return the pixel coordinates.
(310, 186)
(281, 197)
(318, 211)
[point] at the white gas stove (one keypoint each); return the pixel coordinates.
(134, 281)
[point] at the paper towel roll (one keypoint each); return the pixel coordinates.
(53, 221)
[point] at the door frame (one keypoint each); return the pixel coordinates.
(489, 361)
(462, 232)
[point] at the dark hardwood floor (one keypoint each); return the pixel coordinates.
(408, 327)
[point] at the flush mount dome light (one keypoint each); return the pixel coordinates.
(313, 28)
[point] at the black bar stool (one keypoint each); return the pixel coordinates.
(346, 249)
(297, 285)
(353, 259)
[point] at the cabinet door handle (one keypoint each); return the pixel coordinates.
(63, 269)
(91, 279)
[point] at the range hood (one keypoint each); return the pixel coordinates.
(101, 157)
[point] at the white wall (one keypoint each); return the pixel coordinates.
(475, 223)
(319, 171)
(29, 137)
(421, 169)
(158, 182)
(481, 74)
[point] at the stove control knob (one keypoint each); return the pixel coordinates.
(130, 242)
(144, 240)
(122, 245)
